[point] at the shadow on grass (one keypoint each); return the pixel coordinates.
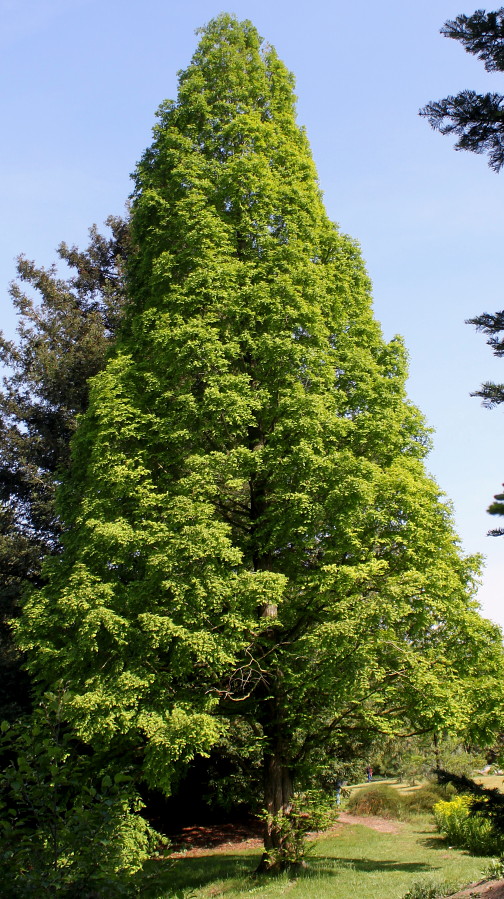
(158, 877)
(367, 864)
(434, 842)
(190, 873)
(444, 843)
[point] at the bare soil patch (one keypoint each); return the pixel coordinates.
(488, 889)
(215, 839)
(383, 825)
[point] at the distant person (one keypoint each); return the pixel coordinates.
(339, 784)
(369, 772)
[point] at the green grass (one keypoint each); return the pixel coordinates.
(356, 861)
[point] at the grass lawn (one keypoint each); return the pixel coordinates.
(353, 862)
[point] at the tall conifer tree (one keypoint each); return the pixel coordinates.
(249, 527)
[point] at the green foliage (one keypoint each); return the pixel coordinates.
(409, 758)
(461, 827)
(64, 332)
(68, 826)
(459, 760)
(495, 870)
(424, 799)
(234, 770)
(486, 802)
(377, 800)
(310, 812)
(414, 759)
(388, 802)
(249, 530)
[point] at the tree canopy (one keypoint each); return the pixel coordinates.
(248, 529)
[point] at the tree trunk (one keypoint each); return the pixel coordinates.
(278, 793)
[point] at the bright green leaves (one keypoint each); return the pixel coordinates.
(249, 528)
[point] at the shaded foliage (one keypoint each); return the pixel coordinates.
(69, 822)
(64, 333)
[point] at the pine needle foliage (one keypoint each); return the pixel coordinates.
(476, 119)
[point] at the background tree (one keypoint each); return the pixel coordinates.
(491, 393)
(63, 338)
(249, 531)
(478, 120)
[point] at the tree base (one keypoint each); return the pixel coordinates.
(268, 865)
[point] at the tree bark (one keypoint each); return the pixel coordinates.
(278, 793)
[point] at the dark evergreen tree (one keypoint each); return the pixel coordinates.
(491, 393)
(476, 119)
(249, 531)
(63, 338)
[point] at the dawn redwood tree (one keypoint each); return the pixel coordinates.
(249, 531)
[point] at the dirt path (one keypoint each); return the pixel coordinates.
(384, 825)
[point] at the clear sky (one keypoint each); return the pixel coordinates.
(83, 78)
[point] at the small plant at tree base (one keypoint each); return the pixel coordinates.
(310, 812)
(67, 827)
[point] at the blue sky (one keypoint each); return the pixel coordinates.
(83, 78)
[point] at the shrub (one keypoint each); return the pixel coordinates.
(311, 811)
(456, 820)
(389, 803)
(380, 800)
(423, 800)
(66, 827)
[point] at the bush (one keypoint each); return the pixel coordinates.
(311, 811)
(389, 803)
(423, 800)
(66, 827)
(379, 800)
(456, 820)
